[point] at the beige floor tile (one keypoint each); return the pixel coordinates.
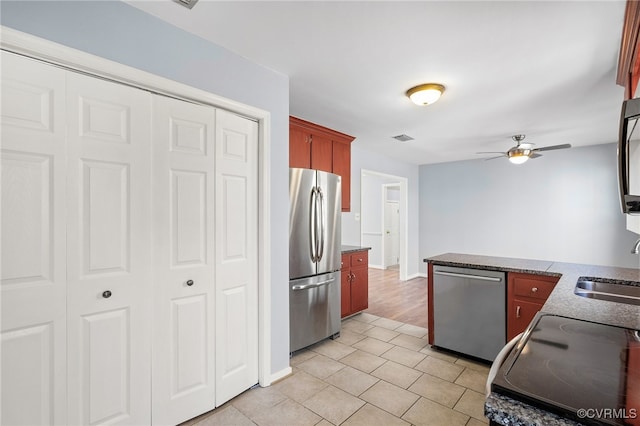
(397, 374)
(363, 361)
(476, 422)
(320, 366)
(404, 356)
(445, 356)
(334, 404)
(301, 356)
(387, 323)
(300, 386)
(227, 416)
(474, 365)
(324, 422)
(355, 326)
(439, 368)
(412, 330)
(256, 400)
(429, 413)
(373, 346)
(390, 398)
(348, 337)
(351, 380)
(380, 333)
(438, 390)
(288, 412)
(472, 404)
(370, 415)
(365, 317)
(473, 379)
(409, 342)
(332, 349)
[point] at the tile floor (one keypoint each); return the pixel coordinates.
(378, 372)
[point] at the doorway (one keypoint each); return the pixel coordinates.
(391, 220)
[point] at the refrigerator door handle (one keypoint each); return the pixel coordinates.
(313, 226)
(321, 223)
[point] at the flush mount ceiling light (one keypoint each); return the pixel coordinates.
(425, 94)
(187, 3)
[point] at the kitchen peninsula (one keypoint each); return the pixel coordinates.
(561, 303)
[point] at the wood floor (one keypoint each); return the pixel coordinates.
(404, 301)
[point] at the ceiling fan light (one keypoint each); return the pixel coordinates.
(425, 94)
(518, 158)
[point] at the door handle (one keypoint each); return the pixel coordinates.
(518, 311)
(473, 277)
(312, 225)
(314, 285)
(320, 252)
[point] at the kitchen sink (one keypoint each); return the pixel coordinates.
(607, 289)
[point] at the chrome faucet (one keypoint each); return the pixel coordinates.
(636, 247)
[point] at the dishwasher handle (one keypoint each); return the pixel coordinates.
(474, 277)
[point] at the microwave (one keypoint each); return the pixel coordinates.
(629, 157)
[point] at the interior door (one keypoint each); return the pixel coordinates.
(236, 265)
(108, 235)
(392, 233)
(183, 252)
(33, 268)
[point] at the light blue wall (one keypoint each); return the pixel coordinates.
(124, 34)
(560, 207)
(361, 158)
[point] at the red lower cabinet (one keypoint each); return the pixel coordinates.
(355, 282)
(526, 293)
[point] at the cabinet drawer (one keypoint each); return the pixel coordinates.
(536, 287)
(346, 261)
(359, 258)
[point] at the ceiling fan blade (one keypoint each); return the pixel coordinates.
(493, 158)
(552, 147)
(492, 152)
(534, 155)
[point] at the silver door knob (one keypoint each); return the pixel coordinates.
(106, 294)
(190, 283)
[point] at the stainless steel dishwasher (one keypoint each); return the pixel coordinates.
(469, 311)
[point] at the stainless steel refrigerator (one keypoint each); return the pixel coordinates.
(315, 228)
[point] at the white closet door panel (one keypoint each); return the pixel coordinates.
(33, 271)
(183, 226)
(236, 255)
(109, 277)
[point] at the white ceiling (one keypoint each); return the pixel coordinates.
(545, 69)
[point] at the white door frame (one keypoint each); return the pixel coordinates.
(403, 182)
(67, 57)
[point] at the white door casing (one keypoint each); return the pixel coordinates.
(183, 260)
(108, 265)
(33, 267)
(236, 265)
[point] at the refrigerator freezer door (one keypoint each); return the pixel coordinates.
(301, 227)
(330, 235)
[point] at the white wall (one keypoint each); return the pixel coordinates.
(363, 159)
(119, 32)
(560, 207)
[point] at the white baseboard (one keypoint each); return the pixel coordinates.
(376, 266)
(418, 275)
(280, 375)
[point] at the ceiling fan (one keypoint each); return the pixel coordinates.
(523, 151)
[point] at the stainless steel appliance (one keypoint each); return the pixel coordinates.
(469, 311)
(628, 164)
(583, 371)
(315, 228)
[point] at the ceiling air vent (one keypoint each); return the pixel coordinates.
(187, 3)
(403, 138)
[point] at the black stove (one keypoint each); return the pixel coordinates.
(584, 371)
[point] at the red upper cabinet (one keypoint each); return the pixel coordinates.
(629, 59)
(315, 147)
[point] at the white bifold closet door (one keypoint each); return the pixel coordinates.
(108, 235)
(33, 286)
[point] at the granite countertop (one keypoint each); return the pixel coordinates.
(563, 302)
(351, 249)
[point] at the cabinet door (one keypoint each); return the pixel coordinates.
(108, 236)
(183, 239)
(236, 259)
(33, 290)
(321, 153)
(359, 288)
(342, 167)
(345, 292)
(520, 313)
(299, 148)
